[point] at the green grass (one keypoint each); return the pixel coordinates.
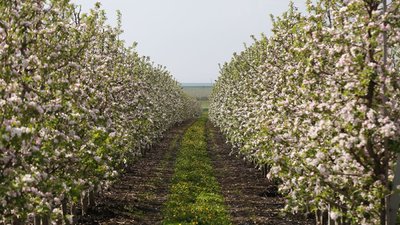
(195, 193)
(205, 104)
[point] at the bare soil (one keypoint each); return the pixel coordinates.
(250, 197)
(139, 195)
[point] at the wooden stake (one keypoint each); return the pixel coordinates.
(394, 199)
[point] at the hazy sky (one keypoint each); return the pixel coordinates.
(191, 37)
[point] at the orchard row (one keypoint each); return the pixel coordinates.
(318, 103)
(76, 106)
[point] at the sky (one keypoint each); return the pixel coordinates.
(191, 37)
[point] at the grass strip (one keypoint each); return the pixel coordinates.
(195, 193)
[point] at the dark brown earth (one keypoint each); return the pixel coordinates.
(249, 196)
(139, 195)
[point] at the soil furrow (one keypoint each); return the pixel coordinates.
(139, 195)
(244, 188)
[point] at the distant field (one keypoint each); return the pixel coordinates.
(201, 91)
(198, 92)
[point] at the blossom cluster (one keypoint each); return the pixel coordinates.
(76, 105)
(318, 102)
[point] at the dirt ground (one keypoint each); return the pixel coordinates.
(250, 197)
(138, 197)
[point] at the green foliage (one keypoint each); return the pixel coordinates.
(76, 105)
(317, 101)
